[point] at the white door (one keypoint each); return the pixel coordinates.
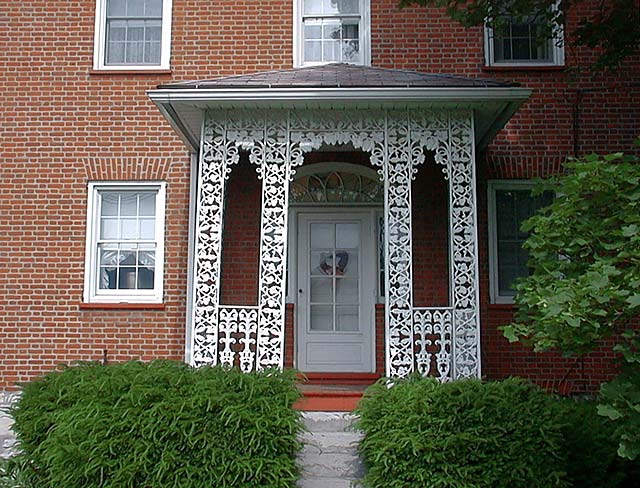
(336, 292)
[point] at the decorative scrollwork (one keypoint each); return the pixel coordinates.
(396, 140)
(432, 328)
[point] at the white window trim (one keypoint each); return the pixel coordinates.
(557, 51)
(492, 186)
(100, 39)
(365, 35)
(91, 292)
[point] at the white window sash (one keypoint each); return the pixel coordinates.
(492, 187)
(100, 42)
(92, 291)
(556, 49)
(364, 32)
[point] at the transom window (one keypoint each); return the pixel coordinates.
(522, 43)
(132, 34)
(332, 31)
(510, 204)
(125, 243)
(336, 186)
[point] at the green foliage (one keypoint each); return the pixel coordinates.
(621, 405)
(613, 28)
(161, 424)
(584, 256)
(459, 435)
(590, 445)
(584, 286)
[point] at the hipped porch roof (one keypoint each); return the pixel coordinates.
(340, 86)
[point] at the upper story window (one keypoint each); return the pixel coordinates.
(132, 34)
(522, 43)
(510, 204)
(331, 31)
(125, 243)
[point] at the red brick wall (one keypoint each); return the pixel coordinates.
(62, 125)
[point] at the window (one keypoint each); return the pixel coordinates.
(331, 31)
(125, 241)
(510, 203)
(132, 34)
(521, 44)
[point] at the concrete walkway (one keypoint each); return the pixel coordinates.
(330, 458)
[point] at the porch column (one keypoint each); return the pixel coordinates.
(216, 155)
(276, 173)
(464, 246)
(398, 172)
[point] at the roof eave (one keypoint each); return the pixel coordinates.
(497, 104)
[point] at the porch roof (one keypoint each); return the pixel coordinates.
(340, 86)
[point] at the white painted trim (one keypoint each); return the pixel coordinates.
(91, 294)
(191, 252)
(100, 35)
(492, 224)
(365, 35)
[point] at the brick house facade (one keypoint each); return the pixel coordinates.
(68, 121)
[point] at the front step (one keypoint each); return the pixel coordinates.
(329, 458)
(329, 398)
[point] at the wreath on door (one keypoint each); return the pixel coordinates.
(342, 261)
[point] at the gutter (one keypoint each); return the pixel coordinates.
(212, 97)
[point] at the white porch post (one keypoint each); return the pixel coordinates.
(398, 173)
(276, 173)
(464, 247)
(216, 154)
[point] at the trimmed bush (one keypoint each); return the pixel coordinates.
(464, 434)
(162, 424)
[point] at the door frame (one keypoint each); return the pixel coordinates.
(370, 211)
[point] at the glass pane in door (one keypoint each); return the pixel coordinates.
(334, 277)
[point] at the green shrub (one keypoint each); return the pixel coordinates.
(157, 425)
(464, 434)
(591, 446)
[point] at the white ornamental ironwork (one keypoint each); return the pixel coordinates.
(433, 330)
(396, 141)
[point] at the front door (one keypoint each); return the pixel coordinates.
(336, 292)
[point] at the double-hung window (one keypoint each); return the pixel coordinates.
(331, 31)
(132, 34)
(521, 42)
(125, 243)
(510, 204)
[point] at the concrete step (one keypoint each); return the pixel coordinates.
(329, 457)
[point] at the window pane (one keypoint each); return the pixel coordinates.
(331, 30)
(313, 6)
(116, 8)
(321, 263)
(331, 51)
(346, 263)
(147, 203)
(108, 278)
(347, 319)
(350, 51)
(109, 203)
(349, 6)
(322, 236)
(135, 8)
(321, 318)
(109, 256)
(152, 53)
(348, 236)
(321, 290)
(129, 229)
(147, 228)
(147, 256)
(146, 278)
(312, 51)
(312, 31)
(115, 52)
(129, 204)
(347, 290)
(153, 8)
(109, 228)
(127, 278)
